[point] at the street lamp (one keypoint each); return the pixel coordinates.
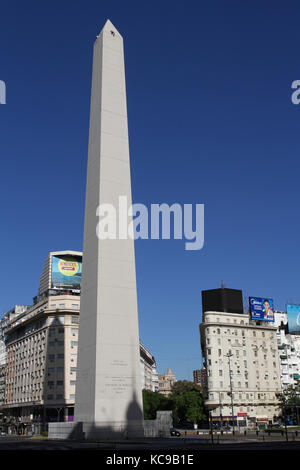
(229, 355)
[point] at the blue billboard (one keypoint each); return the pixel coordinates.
(261, 308)
(66, 272)
(293, 313)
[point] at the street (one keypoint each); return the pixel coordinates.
(220, 443)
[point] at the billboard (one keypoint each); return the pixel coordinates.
(261, 308)
(66, 272)
(293, 313)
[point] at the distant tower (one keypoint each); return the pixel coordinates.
(108, 385)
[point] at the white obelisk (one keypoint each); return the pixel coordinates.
(108, 384)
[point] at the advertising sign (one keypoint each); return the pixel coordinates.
(261, 309)
(293, 312)
(66, 272)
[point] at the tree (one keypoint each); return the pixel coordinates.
(290, 401)
(188, 406)
(188, 402)
(182, 386)
(153, 402)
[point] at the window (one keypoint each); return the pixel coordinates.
(60, 356)
(59, 383)
(59, 397)
(61, 305)
(73, 382)
(50, 397)
(51, 357)
(75, 306)
(75, 320)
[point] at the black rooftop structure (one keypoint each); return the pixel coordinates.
(222, 300)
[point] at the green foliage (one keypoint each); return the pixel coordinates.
(153, 401)
(188, 406)
(184, 386)
(290, 396)
(186, 402)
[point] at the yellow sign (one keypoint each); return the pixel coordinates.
(68, 268)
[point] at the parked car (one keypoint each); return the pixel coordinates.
(174, 432)
(273, 427)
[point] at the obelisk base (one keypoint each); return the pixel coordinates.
(108, 431)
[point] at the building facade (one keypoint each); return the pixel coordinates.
(4, 320)
(200, 378)
(166, 381)
(41, 348)
(243, 370)
(289, 351)
(149, 376)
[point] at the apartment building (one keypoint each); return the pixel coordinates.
(243, 370)
(200, 378)
(4, 320)
(288, 349)
(149, 376)
(41, 348)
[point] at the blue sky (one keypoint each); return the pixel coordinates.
(210, 120)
